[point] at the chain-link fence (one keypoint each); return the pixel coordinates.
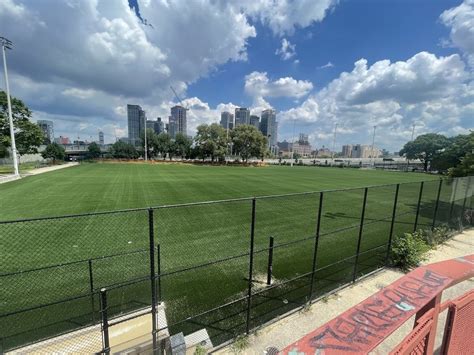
(225, 266)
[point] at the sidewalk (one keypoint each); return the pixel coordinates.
(49, 168)
(295, 326)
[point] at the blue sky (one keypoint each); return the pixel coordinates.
(371, 29)
(356, 63)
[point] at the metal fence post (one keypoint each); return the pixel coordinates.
(91, 288)
(316, 243)
(465, 200)
(361, 227)
(270, 262)
(437, 204)
(151, 233)
(455, 182)
(105, 322)
(418, 206)
(249, 292)
(158, 257)
(390, 236)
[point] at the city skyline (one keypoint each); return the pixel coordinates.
(316, 64)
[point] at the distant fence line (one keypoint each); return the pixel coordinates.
(228, 266)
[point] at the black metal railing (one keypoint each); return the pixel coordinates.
(228, 266)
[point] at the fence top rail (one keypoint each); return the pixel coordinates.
(200, 203)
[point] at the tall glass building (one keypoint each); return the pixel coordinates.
(136, 123)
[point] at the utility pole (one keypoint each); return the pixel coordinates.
(146, 153)
(293, 144)
(333, 144)
(7, 44)
(373, 142)
(412, 136)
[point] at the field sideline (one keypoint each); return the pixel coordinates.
(107, 186)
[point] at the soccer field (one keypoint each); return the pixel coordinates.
(105, 187)
(204, 248)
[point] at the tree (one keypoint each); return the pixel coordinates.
(465, 168)
(150, 142)
(123, 150)
(182, 145)
(248, 142)
(458, 147)
(54, 151)
(211, 141)
(425, 148)
(94, 150)
(28, 135)
(162, 144)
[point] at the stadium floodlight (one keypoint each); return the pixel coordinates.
(7, 44)
(334, 144)
(372, 153)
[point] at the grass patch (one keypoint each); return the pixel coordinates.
(188, 236)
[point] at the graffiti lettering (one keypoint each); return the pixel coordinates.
(373, 319)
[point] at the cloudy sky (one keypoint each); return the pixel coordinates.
(317, 62)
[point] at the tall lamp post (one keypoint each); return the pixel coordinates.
(7, 44)
(333, 144)
(146, 145)
(372, 155)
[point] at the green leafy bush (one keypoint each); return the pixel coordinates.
(435, 236)
(407, 251)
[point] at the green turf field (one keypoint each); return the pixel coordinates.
(190, 236)
(104, 187)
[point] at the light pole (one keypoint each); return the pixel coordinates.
(7, 44)
(333, 145)
(373, 142)
(293, 143)
(146, 153)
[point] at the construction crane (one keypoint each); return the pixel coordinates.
(178, 98)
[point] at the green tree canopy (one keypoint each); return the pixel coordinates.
(425, 147)
(150, 142)
(248, 142)
(465, 167)
(162, 144)
(94, 150)
(54, 151)
(456, 150)
(28, 135)
(182, 145)
(123, 150)
(211, 141)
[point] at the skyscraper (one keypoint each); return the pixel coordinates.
(178, 120)
(48, 130)
(159, 126)
(227, 120)
(347, 150)
(255, 121)
(136, 123)
(101, 138)
(242, 116)
(269, 126)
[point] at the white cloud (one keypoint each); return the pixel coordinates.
(327, 65)
(287, 50)
(257, 84)
(284, 16)
(435, 92)
(461, 21)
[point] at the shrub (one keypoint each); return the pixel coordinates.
(240, 344)
(407, 251)
(436, 236)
